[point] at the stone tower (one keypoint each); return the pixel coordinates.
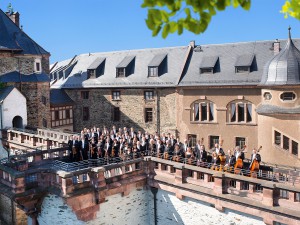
(25, 65)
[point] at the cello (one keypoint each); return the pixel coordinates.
(254, 166)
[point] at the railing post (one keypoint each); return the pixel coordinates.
(269, 195)
(220, 183)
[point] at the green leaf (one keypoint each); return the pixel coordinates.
(156, 31)
(165, 31)
(173, 26)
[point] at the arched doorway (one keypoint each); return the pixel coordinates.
(17, 122)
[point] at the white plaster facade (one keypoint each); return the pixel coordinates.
(13, 105)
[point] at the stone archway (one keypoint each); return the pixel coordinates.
(17, 122)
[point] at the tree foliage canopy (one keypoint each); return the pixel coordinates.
(169, 16)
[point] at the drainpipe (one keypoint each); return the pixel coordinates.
(154, 192)
(157, 111)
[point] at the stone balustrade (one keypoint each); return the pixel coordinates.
(227, 190)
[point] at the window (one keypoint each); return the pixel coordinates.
(284, 194)
(286, 143)
(68, 114)
(258, 188)
(240, 141)
(62, 115)
(116, 95)
(267, 96)
(240, 112)
(213, 140)
(203, 111)
(148, 115)
(294, 148)
(38, 67)
(297, 197)
(242, 69)
(44, 122)
(121, 72)
(44, 100)
(277, 138)
(149, 95)
(56, 115)
(153, 71)
(116, 114)
(85, 95)
(206, 70)
(287, 96)
(192, 140)
(85, 113)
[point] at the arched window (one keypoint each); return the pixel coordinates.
(202, 111)
(240, 112)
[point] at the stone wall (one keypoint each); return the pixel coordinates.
(36, 110)
(138, 208)
(25, 64)
(6, 209)
(132, 106)
(172, 210)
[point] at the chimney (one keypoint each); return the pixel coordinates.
(276, 47)
(192, 44)
(15, 17)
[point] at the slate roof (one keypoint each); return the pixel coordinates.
(223, 57)
(17, 77)
(78, 76)
(4, 92)
(209, 62)
(283, 68)
(59, 97)
(266, 109)
(244, 60)
(12, 38)
(97, 62)
(157, 59)
(230, 55)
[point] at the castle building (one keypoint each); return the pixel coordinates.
(25, 65)
(242, 94)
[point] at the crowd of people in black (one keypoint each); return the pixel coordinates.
(127, 143)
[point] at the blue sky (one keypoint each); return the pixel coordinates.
(70, 27)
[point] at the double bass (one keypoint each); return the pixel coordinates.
(254, 166)
(239, 162)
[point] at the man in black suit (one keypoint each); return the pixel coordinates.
(255, 156)
(201, 154)
(84, 148)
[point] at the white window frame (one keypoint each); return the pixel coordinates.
(210, 109)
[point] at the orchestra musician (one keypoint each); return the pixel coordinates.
(239, 156)
(168, 150)
(84, 148)
(70, 147)
(201, 154)
(178, 154)
(93, 150)
(189, 156)
(230, 162)
(255, 161)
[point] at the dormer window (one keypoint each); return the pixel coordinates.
(206, 70)
(125, 67)
(121, 72)
(158, 65)
(207, 65)
(153, 71)
(242, 69)
(243, 63)
(96, 69)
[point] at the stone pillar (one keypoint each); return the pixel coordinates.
(268, 195)
(180, 175)
(219, 183)
(292, 196)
